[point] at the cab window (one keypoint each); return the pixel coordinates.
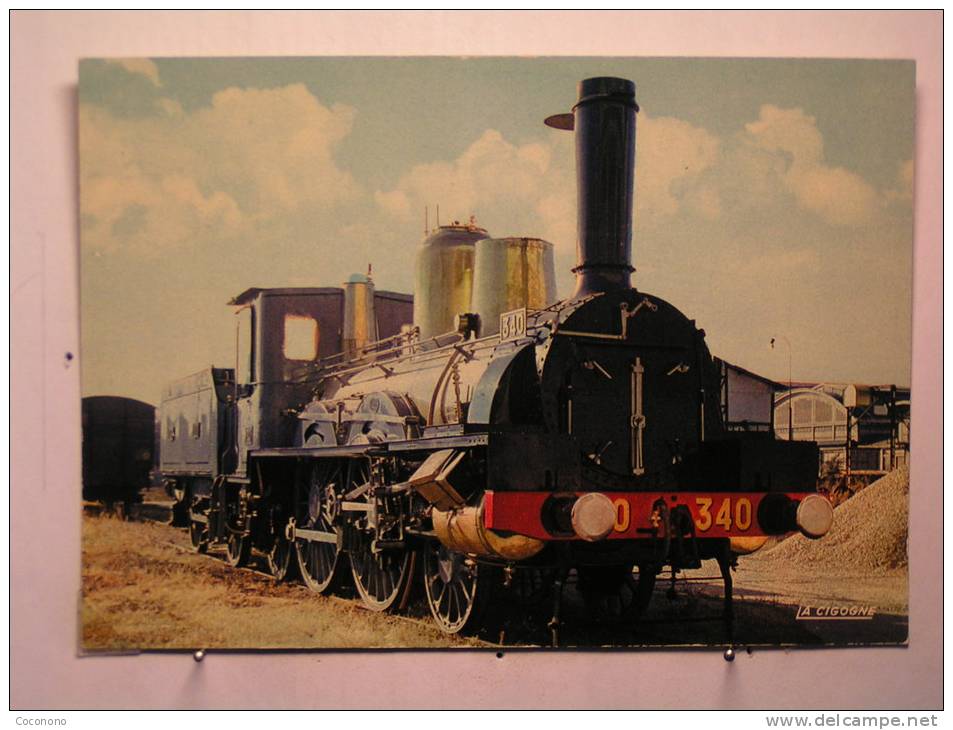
(245, 367)
(301, 337)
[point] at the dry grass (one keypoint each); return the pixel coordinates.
(140, 592)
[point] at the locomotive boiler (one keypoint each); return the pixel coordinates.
(536, 438)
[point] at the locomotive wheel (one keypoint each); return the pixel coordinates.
(237, 550)
(199, 536)
(458, 590)
(383, 577)
(319, 562)
(237, 545)
(279, 558)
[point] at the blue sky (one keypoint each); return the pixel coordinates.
(773, 197)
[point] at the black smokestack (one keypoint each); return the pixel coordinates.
(604, 121)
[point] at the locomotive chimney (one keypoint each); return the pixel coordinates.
(604, 122)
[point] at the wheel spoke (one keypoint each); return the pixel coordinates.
(457, 603)
(452, 604)
(318, 561)
(375, 577)
(381, 573)
(451, 589)
(323, 559)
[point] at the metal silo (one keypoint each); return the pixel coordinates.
(444, 281)
(510, 273)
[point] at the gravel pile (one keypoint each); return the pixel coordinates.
(869, 536)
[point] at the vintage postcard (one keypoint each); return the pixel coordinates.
(495, 352)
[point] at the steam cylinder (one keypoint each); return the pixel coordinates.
(444, 280)
(510, 273)
(360, 319)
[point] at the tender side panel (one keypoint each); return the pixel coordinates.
(191, 416)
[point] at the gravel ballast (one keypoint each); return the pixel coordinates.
(869, 535)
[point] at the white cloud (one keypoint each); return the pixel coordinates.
(283, 140)
(902, 192)
(790, 131)
(519, 189)
(769, 175)
(670, 156)
(772, 168)
(252, 156)
(836, 194)
(254, 174)
(905, 176)
(142, 66)
(166, 210)
(395, 203)
(840, 196)
(533, 185)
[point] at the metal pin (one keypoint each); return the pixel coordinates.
(729, 654)
(199, 655)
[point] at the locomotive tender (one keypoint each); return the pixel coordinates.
(583, 435)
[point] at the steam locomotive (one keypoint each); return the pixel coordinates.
(526, 438)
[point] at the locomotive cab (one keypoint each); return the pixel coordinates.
(280, 335)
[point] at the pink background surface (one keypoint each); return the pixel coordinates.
(46, 671)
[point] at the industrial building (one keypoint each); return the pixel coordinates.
(877, 418)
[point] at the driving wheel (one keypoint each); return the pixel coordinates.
(237, 549)
(319, 561)
(382, 574)
(457, 588)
